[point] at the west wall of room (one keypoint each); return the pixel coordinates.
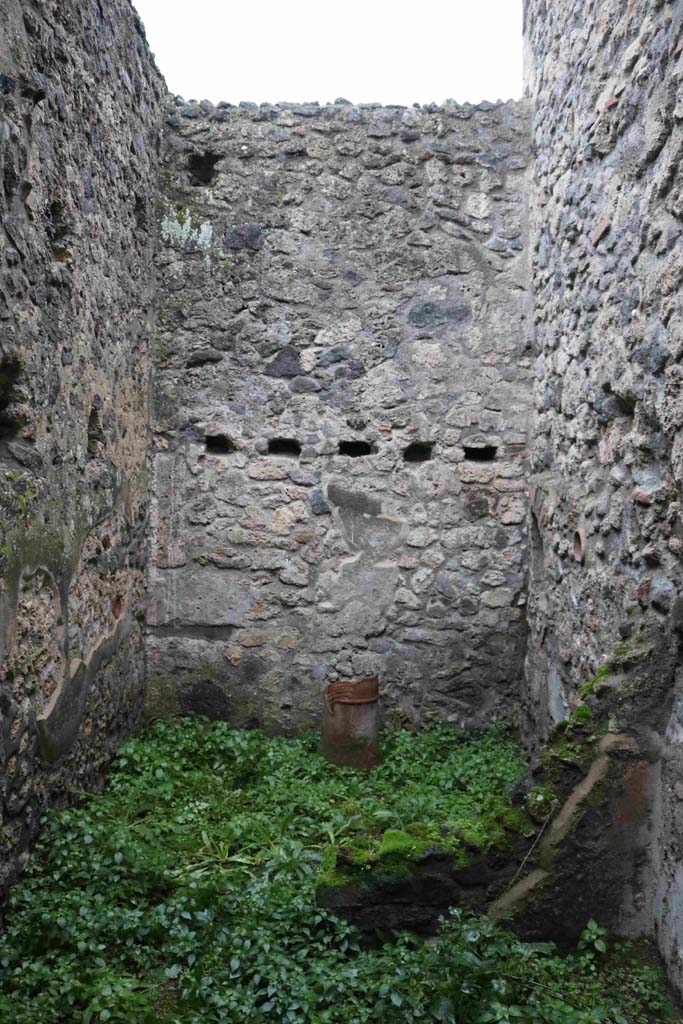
(80, 127)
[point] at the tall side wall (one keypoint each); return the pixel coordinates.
(341, 276)
(79, 123)
(605, 607)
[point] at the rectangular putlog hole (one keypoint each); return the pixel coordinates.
(219, 444)
(480, 453)
(284, 446)
(418, 451)
(355, 449)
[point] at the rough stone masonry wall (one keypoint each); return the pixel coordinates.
(79, 123)
(606, 535)
(334, 275)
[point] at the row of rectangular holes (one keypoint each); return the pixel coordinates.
(418, 451)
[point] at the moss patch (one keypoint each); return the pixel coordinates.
(569, 752)
(581, 715)
(435, 791)
(623, 656)
(590, 684)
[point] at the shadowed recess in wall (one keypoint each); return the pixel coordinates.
(96, 439)
(59, 230)
(284, 446)
(202, 168)
(10, 420)
(418, 451)
(219, 444)
(480, 453)
(355, 449)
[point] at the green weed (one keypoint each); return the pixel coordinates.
(185, 894)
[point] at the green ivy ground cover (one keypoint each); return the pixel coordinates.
(186, 893)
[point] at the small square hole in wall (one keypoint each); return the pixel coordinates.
(480, 453)
(284, 446)
(219, 444)
(202, 168)
(418, 451)
(355, 449)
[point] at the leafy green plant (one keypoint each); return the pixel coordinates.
(185, 894)
(592, 944)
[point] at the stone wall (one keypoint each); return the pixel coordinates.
(343, 381)
(605, 609)
(342, 385)
(79, 121)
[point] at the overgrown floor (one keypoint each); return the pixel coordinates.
(186, 893)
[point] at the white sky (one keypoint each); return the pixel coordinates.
(384, 51)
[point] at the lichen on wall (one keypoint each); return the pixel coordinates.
(79, 118)
(340, 408)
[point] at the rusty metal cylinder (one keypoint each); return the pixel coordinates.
(350, 735)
